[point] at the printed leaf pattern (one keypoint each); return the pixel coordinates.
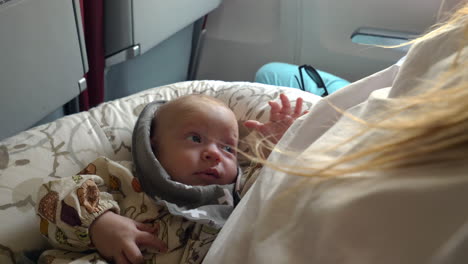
(88, 195)
(48, 206)
(69, 215)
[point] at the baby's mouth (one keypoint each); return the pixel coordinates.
(210, 172)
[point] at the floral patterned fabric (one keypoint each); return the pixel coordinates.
(64, 147)
(68, 206)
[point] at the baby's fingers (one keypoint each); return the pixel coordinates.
(132, 253)
(252, 124)
(149, 241)
(286, 104)
(298, 108)
(275, 108)
(121, 259)
(147, 228)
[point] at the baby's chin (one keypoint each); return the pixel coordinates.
(205, 181)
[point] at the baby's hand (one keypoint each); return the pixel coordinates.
(281, 118)
(119, 238)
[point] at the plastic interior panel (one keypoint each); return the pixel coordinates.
(118, 27)
(156, 20)
(84, 57)
(41, 60)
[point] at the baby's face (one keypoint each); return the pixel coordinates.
(199, 147)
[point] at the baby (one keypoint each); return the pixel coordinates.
(184, 152)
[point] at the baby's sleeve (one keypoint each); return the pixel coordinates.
(67, 207)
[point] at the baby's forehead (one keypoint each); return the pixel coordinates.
(198, 102)
(190, 110)
(187, 104)
(210, 122)
(194, 104)
(210, 119)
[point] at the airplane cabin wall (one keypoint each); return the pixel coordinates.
(166, 63)
(242, 35)
(326, 35)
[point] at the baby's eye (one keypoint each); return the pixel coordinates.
(194, 138)
(229, 149)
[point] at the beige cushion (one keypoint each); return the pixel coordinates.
(63, 147)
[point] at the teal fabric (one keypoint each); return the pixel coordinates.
(285, 74)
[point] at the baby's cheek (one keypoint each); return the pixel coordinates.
(233, 172)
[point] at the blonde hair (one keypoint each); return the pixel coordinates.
(411, 132)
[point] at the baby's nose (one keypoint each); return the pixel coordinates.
(211, 154)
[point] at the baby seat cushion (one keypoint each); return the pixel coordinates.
(64, 147)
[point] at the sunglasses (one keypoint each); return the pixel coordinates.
(314, 75)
